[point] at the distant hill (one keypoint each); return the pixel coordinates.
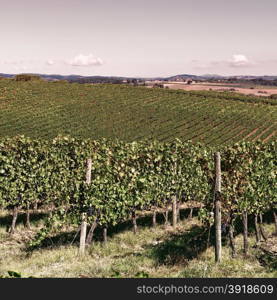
(6, 75)
(184, 77)
(178, 77)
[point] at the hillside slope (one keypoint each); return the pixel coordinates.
(41, 109)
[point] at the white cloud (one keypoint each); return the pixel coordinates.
(85, 61)
(236, 61)
(50, 62)
(239, 60)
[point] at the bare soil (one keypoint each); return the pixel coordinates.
(257, 91)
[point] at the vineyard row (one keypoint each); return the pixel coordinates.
(126, 178)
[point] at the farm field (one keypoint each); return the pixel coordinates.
(245, 89)
(44, 110)
(50, 187)
(138, 140)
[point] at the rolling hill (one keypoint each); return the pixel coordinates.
(46, 109)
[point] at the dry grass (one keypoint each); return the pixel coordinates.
(159, 252)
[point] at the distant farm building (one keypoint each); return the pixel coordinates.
(189, 81)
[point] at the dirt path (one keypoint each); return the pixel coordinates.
(251, 133)
(264, 131)
(270, 136)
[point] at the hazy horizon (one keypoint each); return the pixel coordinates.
(153, 38)
(108, 75)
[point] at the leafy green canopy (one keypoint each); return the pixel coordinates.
(128, 177)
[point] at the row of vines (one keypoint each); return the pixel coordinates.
(43, 110)
(127, 178)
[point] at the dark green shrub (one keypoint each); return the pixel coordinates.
(273, 96)
(27, 77)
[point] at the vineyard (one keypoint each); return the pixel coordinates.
(45, 110)
(92, 158)
(126, 179)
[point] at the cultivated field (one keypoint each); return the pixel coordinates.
(237, 88)
(44, 110)
(51, 189)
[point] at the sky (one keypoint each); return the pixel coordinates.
(142, 38)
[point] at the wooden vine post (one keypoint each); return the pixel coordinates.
(178, 211)
(166, 216)
(154, 218)
(257, 229)
(217, 202)
(28, 224)
(105, 235)
(84, 217)
(15, 214)
(275, 221)
(245, 232)
(174, 203)
(231, 235)
(174, 211)
(134, 221)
